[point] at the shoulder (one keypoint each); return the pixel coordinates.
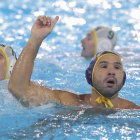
(84, 97)
(126, 104)
(68, 98)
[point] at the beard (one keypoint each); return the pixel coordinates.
(107, 91)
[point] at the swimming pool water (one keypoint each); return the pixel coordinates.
(59, 65)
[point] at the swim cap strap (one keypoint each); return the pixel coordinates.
(107, 102)
(7, 62)
(95, 42)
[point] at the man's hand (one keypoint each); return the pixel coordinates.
(42, 27)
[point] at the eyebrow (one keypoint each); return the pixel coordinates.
(105, 62)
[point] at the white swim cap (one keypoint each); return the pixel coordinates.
(105, 39)
(10, 57)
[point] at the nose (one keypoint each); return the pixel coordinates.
(111, 71)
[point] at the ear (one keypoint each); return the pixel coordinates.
(104, 44)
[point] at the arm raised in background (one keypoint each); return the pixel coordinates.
(28, 92)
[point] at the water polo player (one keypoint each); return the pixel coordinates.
(99, 39)
(7, 61)
(106, 75)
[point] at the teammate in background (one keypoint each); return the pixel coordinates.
(7, 61)
(99, 39)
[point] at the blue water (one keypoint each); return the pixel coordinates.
(59, 65)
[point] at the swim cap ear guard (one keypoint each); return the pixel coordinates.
(10, 57)
(104, 44)
(106, 39)
(90, 68)
(124, 78)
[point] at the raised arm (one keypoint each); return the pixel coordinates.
(29, 93)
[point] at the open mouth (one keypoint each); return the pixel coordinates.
(110, 82)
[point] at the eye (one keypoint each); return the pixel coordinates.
(103, 66)
(118, 67)
(1, 56)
